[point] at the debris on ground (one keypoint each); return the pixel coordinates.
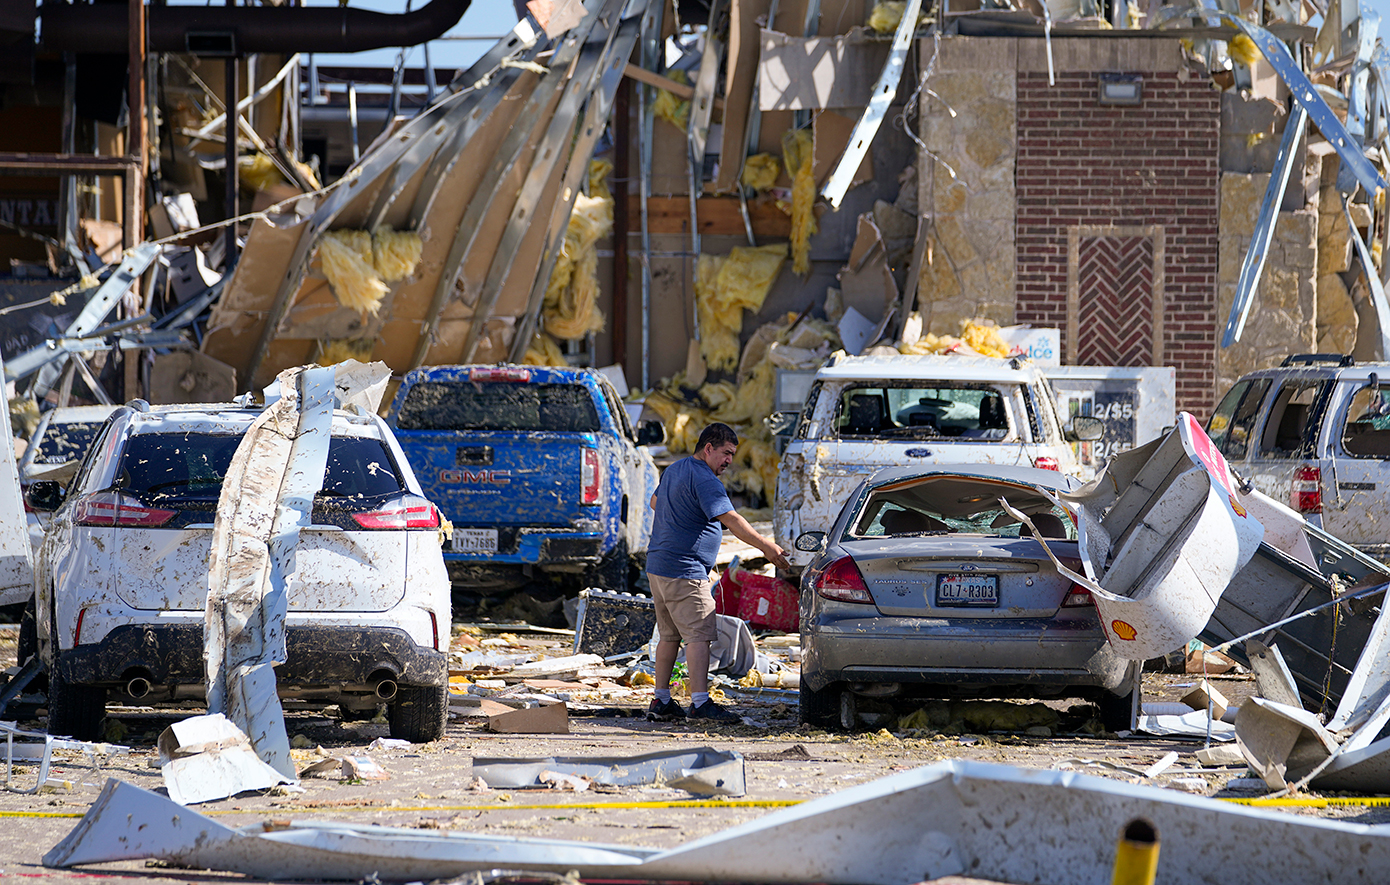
(934, 821)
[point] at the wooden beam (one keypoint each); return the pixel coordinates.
(717, 216)
(679, 90)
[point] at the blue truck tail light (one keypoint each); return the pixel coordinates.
(500, 373)
(590, 476)
(405, 512)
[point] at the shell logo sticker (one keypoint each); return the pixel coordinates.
(1123, 630)
(1237, 507)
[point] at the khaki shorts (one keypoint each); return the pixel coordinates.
(684, 608)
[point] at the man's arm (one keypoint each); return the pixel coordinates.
(748, 535)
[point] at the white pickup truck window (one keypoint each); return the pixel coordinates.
(968, 411)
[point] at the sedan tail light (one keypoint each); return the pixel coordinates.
(1046, 462)
(589, 477)
(1077, 596)
(113, 508)
(406, 512)
(1305, 495)
(843, 582)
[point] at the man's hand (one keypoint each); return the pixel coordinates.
(745, 533)
(777, 555)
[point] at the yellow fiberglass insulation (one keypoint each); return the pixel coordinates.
(353, 280)
(258, 172)
(544, 351)
(395, 254)
(683, 422)
(1244, 50)
(760, 172)
(798, 149)
(599, 170)
(979, 335)
(886, 15)
(671, 109)
(338, 350)
(359, 241)
(718, 336)
(570, 309)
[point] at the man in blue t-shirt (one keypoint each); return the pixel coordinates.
(691, 510)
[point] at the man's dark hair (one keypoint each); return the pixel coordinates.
(715, 434)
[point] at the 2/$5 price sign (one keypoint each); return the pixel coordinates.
(1116, 408)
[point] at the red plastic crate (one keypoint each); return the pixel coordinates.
(767, 601)
(727, 591)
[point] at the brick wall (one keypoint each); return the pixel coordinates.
(1156, 164)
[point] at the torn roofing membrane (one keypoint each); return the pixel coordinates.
(267, 497)
(990, 821)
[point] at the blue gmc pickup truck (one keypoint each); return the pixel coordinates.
(538, 468)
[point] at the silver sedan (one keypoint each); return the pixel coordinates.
(926, 587)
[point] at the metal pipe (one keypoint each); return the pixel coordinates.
(229, 154)
(138, 687)
(622, 168)
(385, 689)
(244, 30)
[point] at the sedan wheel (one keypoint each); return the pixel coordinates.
(820, 708)
(849, 711)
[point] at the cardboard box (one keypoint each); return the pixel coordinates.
(545, 719)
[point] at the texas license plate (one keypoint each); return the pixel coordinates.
(475, 540)
(967, 590)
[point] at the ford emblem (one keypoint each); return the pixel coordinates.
(967, 567)
(919, 453)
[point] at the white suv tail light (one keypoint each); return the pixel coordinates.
(1305, 495)
(115, 509)
(405, 512)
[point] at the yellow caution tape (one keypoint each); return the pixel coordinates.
(694, 803)
(1371, 801)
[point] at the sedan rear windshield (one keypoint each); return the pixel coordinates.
(498, 405)
(925, 410)
(192, 465)
(65, 442)
(951, 505)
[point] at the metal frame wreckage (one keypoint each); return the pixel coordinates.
(444, 242)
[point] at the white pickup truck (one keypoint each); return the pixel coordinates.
(869, 412)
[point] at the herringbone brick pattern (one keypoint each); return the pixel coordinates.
(1115, 301)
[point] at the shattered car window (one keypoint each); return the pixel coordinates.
(961, 409)
(1286, 433)
(192, 465)
(1367, 431)
(1231, 423)
(62, 443)
(959, 505)
(498, 405)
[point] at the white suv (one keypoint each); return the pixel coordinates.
(869, 412)
(1315, 433)
(122, 576)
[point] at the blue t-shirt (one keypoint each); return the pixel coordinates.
(685, 527)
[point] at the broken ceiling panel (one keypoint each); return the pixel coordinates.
(817, 72)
